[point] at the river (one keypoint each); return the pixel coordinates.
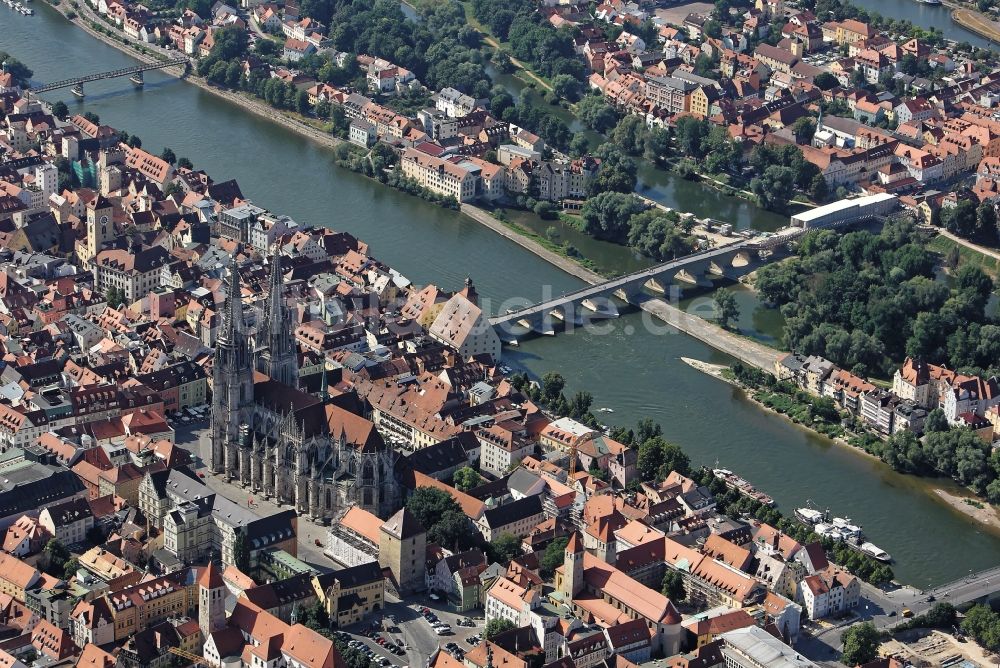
(631, 370)
(925, 16)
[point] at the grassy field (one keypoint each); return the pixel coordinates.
(966, 255)
(977, 23)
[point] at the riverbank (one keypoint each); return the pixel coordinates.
(977, 23)
(979, 510)
(243, 100)
(976, 509)
(571, 267)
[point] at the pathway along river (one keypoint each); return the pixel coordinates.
(635, 372)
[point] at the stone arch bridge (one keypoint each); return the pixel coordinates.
(594, 302)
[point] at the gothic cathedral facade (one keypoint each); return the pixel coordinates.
(315, 453)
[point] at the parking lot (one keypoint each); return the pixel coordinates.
(404, 635)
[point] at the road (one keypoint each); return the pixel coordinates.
(195, 439)
(823, 643)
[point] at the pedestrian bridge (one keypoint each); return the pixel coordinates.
(594, 302)
(134, 73)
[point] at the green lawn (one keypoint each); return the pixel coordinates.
(966, 255)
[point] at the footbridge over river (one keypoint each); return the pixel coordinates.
(594, 302)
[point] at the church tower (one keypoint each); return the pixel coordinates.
(277, 356)
(211, 601)
(100, 226)
(232, 381)
(572, 575)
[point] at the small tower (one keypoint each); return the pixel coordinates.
(469, 291)
(402, 548)
(572, 577)
(211, 601)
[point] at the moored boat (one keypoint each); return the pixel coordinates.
(742, 486)
(809, 515)
(874, 551)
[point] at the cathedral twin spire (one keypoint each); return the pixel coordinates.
(277, 352)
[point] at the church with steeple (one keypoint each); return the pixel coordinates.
(313, 452)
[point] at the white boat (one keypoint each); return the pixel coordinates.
(808, 515)
(605, 410)
(828, 531)
(847, 530)
(874, 551)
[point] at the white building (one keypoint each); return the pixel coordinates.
(510, 601)
(458, 178)
(753, 647)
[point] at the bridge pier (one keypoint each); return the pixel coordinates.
(601, 307)
(656, 286)
(137, 79)
(694, 276)
(78, 90)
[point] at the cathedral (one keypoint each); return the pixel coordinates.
(315, 453)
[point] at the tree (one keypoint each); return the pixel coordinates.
(496, 626)
(804, 128)
(60, 110)
(630, 134)
(70, 568)
(316, 617)
(56, 556)
(302, 103)
(184, 163)
(616, 174)
(566, 87)
(825, 81)
(818, 189)
(941, 616)
(553, 557)
(774, 188)
(450, 530)
(960, 219)
(115, 297)
(936, 422)
(673, 586)
(607, 215)
(552, 386)
(169, 156)
(466, 478)
(241, 550)
(579, 145)
(505, 548)
(596, 114)
(429, 504)
(21, 72)
(861, 643)
(726, 307)
(658, 457)
(690, 132)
